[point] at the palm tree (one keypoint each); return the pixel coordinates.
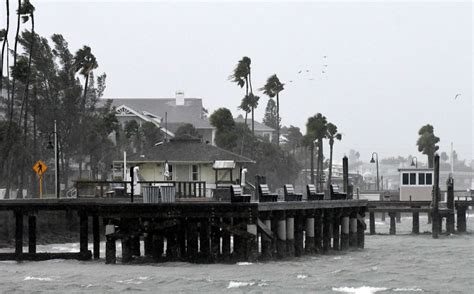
(331, 134)
(84, 63)
(245, 106)
(242, 77)
(4, 39)
(308, 141)
(316, 128)
(272, 89)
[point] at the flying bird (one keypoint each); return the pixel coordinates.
(300, 71)
(307, 70)
(457, 96)
(323, 71)
(311, 79)
(324, 56)
(325, 65)
(290, 81)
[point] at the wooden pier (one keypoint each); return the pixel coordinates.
(197, 231)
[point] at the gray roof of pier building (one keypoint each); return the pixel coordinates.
(189, 111)
(187, 150)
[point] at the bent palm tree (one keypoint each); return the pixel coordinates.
(331, 134)
(272, 88)
(84, 63)
(316, 127)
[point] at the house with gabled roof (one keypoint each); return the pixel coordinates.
(261, 130)
(167, 113)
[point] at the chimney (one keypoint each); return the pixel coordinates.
(179, 95)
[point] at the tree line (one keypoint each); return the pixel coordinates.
(42, 80)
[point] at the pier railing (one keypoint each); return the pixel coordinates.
(118, 189)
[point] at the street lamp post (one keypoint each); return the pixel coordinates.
(376, 160)
(414, 162)
(56, 159)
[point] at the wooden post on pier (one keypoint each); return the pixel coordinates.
(450, 206)
(281, 234)
(435, 227)
(18, 233)
(372, 222)
(393, 223)
(461, 219)
(309, 228)
(96, 236)
(416, 222)
(32, 233)
(134, 224)
(345, 176)
(336, 224)
(353, 229)
(215, 239)
(299, 239)
(204, 239)
(267, 247)
(83, 234)
(361, 229)
(290, 233)
(226, 248)
(192, 236)
(148, 244)
(251, 244)
(110, 249)
(327, 219)
(126, 249)
(318, 230)
(345, 230)
(158, 246)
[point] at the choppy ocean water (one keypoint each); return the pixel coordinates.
(389, 264)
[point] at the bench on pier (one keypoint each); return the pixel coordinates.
(265, 195)
(337, 195)
(290, 194)
(237, 194)
(311, 193)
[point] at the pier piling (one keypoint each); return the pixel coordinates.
(32, 233)
(393, 223)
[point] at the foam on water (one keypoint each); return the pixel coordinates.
(234, 284)
(43, 279)
(407, 290)
(301, 277)
(359, 290)
(244, 263)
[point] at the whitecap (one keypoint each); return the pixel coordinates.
(233, 284)
(407, 290)
(262, 284)
(301, 276)
(360, 290)
(44, 279)
(337, 258)
(244, 263)
(130, 281)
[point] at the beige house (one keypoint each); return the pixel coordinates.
(188, 160)
(416, 183)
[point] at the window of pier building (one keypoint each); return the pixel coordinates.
(417, 179)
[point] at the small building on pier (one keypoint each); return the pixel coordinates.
(187, 160)
(416, 184)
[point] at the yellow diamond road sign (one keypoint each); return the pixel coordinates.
(40, 168)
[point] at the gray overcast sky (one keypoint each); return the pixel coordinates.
(392, 67)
